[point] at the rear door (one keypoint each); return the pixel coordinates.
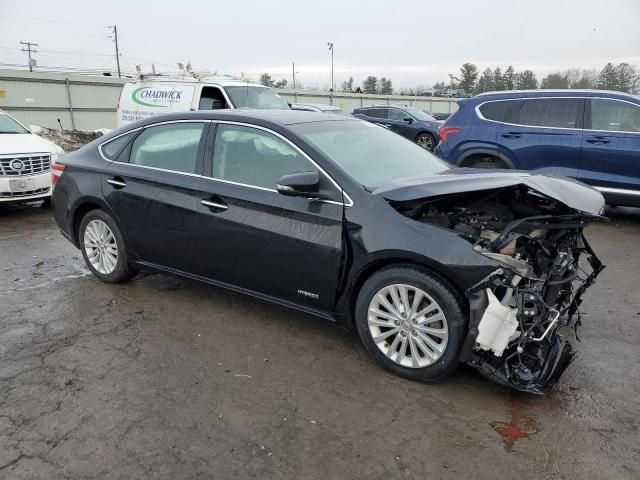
(547, 135)
(611, 145)
(254, 238)
(153, 188)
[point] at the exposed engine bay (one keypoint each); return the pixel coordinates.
(518, 312)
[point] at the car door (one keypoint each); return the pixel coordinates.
(153, 189)
(611, 145)
(252, 237)
(397, 122)
(547, 135)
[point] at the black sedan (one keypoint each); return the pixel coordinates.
(343, 219)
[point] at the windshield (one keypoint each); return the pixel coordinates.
(9, 125)
(256, 97)
(372, 155)
(419, 114)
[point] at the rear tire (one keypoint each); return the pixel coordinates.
(103, 248)
(423, 347)
(426, 141)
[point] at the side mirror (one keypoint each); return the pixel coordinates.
(36, 129)
(304, 184)
(408, 120)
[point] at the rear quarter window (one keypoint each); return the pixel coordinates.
(505, 111)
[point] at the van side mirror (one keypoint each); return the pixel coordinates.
(409, 120)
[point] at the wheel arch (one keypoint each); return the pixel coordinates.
(376, 265)
(464, 160)
(84, 206)
(420, 132)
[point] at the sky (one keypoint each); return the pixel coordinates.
(411, 42)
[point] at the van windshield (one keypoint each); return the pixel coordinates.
(246, 96)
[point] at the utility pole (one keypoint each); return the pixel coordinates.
(330, 45)
(295, 85)
(30, 50)
(115, 38)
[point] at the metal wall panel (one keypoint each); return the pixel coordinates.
(88, 103)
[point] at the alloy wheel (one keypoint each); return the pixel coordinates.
(408, 325)
(425, 141)
(101, 247)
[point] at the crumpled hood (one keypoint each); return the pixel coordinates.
(21, 143)
(572, 193)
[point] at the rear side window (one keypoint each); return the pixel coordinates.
(378, 113)
(612, 115)
(504, 111)
(112, 149)
(173, 146)
(550, 112)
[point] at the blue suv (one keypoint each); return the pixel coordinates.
(593, 136)
(411, 123)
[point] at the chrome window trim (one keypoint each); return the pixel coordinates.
(482, 117)
(622, 191)
(347, 203)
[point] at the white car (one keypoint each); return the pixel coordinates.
(25, 162)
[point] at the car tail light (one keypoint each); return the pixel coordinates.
(56, 172)
(445, 132)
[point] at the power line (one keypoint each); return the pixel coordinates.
(59, 32)
(92, 25)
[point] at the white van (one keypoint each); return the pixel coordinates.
(156, 94)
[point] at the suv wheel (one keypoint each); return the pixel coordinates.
(103, 248)
(411, 323)
(426, 141)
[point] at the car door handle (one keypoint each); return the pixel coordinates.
(512, 135)
(216, 205)
(117, 182)
(597, 140)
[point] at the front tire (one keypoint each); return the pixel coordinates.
(103, 248)
(411, 323)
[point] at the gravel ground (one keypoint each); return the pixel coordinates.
(166, 378)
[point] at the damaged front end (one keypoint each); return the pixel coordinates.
(544, 264)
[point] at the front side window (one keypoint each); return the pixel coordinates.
(419, 115)
(397, 114)
(212, 99)
(612, 115)
(371, 155)
(504, 111)
(254, 157)
(173, 146)
(550, 112)
(256, 97)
